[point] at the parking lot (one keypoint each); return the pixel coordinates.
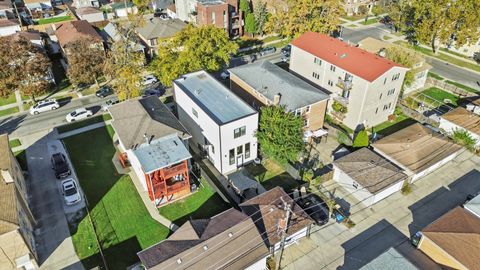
(388, 223)
(54, 245)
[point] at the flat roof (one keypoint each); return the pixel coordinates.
(474, 205)
(270, 80)
(161, 153)
(221, 104)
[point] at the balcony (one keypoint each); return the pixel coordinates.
(342, 100)
(174, 170)
(345, 85)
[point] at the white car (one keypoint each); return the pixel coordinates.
(149, 79)
(225, 74)
(44, 105)
(78, 114)
(70, 192)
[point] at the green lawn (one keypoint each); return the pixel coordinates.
(204, 203)
(355, 17)
(14, 143)
(439, 95)
(442, 56)
(464, 87)
(9, 111)
(369, 21)
(84, 123)
(271, 174)
(388, 127)
(8, 100)
(387, 37)
(55, 19)
(435, 76)
(352, 25)
(123, 224)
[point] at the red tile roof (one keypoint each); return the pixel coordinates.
(352, 59)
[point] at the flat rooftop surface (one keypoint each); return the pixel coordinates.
(161, 153)
(221, 104)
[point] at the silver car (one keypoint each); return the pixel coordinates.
(44, 106)
(70, 192)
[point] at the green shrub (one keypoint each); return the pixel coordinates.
(336, 106)
(464, 138)
(271, 263)
(342, 138)
(361, 140)
(406, 188)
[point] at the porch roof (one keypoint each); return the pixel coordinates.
(161, 153)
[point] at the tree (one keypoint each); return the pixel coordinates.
(361, 140)
(464, 138)
(125, 64)
(362, 10)
(260, 13)
(280, 134)
(306, 15)
(436, 22)
(404, 57)
(377, 10)
(85, 61)
(245, 6)
(250, 23)
(23, 66)
(192, 49)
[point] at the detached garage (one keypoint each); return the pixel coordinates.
(417, 149)
(368, 176)
(462, 119)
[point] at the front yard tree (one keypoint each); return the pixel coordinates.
(280, 134)
(250, 23)
(260, 14)
(85, 62)
(192, 49)
(245, 6)
(436, 22)
(23, 66)
(306, 15)
(403, 57)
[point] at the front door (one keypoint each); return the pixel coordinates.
(239, 161)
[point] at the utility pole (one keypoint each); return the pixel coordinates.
(287, 208)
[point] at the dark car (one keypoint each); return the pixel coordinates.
(315, 207)
(152, 92)
(286, 50)
(60, 165)
(268, 50)
(104, 91)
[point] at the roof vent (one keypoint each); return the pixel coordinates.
(205, 247)
(198, 91)
(179, 261)
(230, 234)
(343, 56)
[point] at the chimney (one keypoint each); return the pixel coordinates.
(276, 99)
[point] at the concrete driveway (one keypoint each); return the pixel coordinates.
(388, 223)
(54, 245)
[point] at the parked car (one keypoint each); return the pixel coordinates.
(104, 91)
(149, 79)
(60, 165)
(315, 207)
(70, 192)
(78, 114)
(152, 92)
(44, 105)
(287, 49)
(268, 50)
(109, 104)
(386, 20)
(225, 74)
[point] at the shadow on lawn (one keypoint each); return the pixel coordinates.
(284, 180)
(115, 256)
(396, 127)
(211, 207)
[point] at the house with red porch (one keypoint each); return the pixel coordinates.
(151, 140)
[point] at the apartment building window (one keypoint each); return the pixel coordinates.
(239, 150)
(239, 132)
(298, 112)
(381, 96)
(231, 156)
(213, 17)
(330, 83)
(247, 150)
(391, 92)
(307, 110)
(153, 41)
(317, 61)
(332, 68)
(305, 122)
(316, 75)
(194, 112)
(224, 19)
(395, 77)
(385, 81)
(376, 111)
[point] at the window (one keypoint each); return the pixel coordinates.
(385, 81)
(247, 150)
(391, 92)
(305, 122)
(239, 150)
(298, 112)
(355, 185)
(308, 109)
(381, 96)
(376, 111)
(395, 77)
(213, 17)
(332, 68)
(231, 156)
(194, 112)
(385, 107)
(317, 61)
(330, 83)
(316, 75)
(239, 132)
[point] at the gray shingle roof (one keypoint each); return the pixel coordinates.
(269, 79)
(370, 170)
(158, 28)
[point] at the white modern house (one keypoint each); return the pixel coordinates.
(368, 176)
(364, 85)
(462, 119)
(221, 124)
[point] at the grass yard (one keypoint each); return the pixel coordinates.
(8, 100)
(14, 143)
(439, 95)
(354, 17)
(123, 224)
(84, 123)
(388, 127)
(55, 19)
(9, 111)
(369, 21)
(271, 174)
(204, 203)
(386, 37)
(435, 76)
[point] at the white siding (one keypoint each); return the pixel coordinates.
(259, 265)
(9, 30)
(137, 168)
(387, 192)
(432, 168)
(293, 238)
(450, 127)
